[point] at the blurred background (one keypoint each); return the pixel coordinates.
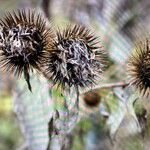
(112, 122)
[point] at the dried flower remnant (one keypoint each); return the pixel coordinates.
(139, 67)
(24, 39)
(92, 99)
(76, 59)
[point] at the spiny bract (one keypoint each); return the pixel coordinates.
(24, 39)
(76, 58)
(139, 67)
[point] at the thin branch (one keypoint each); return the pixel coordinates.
(108, 85)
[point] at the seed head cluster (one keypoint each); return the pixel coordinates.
(72, 57)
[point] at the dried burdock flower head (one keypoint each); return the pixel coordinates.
(92, 98)
(24, 38)
(76, 58)
(139, 67)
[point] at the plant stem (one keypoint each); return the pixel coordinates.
(108, 85)
(45, 6)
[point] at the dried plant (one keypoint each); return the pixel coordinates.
(76, 58)
(24, 40)
(139, 67)
(92, 98)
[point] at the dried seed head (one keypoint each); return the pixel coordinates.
(24, 40)
(75, 59)
(139, 67)
(92, 99)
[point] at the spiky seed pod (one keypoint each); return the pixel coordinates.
(76, 58)
(24, 39)
(139, 67)
(92, 99)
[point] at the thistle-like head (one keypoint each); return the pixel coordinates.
(139, 67)
(24, 39)
(76, 58)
